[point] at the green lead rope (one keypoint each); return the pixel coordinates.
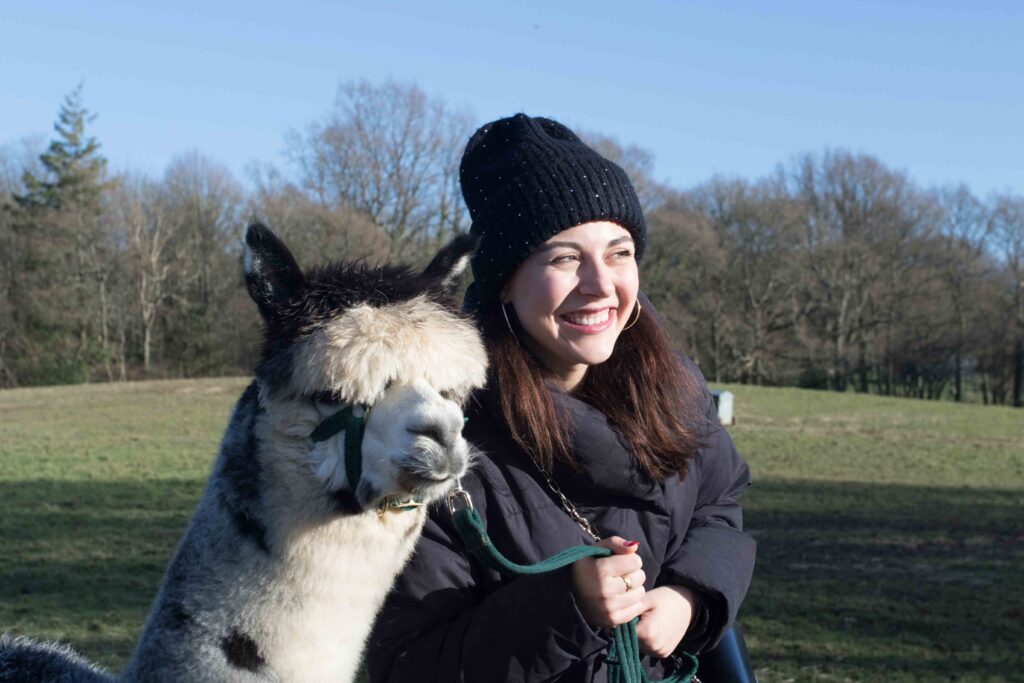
(623, 658)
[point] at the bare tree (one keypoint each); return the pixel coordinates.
(964, 230)
(684, 275)
(314, 231)
(390, 153)
(140, 215)
(756, 227)
(1008, 228)
(203, 202)
(637, 162)
(15, 160)
(859, 219)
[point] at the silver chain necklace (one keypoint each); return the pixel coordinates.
(567, 504)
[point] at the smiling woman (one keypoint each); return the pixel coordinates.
(592, 429)
(573, 297)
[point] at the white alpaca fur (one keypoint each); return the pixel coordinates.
(357, 354)
(276, 578)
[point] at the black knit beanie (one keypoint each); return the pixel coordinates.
(525, 180)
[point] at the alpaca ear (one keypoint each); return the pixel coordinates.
(271, 273)
(445, 270)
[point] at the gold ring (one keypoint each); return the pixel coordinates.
(629, 584)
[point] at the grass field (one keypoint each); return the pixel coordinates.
(890, 532)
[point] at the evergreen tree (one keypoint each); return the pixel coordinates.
(62, 302)
(75, 170)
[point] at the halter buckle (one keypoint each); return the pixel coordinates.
(459, 492)
(398, 504)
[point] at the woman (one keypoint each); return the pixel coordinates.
(591, 426)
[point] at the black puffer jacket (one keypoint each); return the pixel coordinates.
(448, 619)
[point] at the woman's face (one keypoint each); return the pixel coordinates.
(574, 295)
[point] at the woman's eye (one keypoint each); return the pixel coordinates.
(564, 258)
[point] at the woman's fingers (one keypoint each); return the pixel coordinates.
(627, 582)
(617, 565)
(610, 590)
(633, 580)
(626, 614)
(668, 611)
(619, 545)
(615, 610)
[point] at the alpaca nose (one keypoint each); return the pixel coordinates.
(435, 424)
(451, 450)
(433, 432)
(438, 462)
(439, 419)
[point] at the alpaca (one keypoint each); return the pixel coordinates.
(291, 552)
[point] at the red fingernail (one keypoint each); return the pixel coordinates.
(630, 544)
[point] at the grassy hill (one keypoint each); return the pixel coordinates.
(891, 540)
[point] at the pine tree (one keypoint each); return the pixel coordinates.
(74, 167)
(62, 301)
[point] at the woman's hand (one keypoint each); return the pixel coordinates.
(667, 613)
(610, 590)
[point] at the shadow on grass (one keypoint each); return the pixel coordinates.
(81, 561)
(853, 582)
(861, 581)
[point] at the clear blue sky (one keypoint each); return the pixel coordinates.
(935, 88)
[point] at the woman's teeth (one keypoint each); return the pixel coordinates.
(588, 319)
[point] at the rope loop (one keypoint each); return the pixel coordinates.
(623, 655)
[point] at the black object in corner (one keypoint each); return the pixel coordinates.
(729, 662)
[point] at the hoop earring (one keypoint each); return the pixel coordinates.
(639, 309)
(505, 313)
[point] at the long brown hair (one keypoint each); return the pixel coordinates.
(643, 389)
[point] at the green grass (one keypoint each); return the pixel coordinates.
(890, 537)
(891, 541)
(97, 483)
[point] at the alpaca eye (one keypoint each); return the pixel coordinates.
(327, 397)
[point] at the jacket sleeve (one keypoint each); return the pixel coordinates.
(712, 554)
(449, 620)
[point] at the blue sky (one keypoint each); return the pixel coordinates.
(933, 88)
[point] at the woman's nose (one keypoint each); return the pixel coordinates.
(596, 279)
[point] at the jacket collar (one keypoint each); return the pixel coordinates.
(607, 464)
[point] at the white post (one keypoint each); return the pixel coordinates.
(723, 400)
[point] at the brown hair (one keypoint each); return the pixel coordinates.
(643, 389)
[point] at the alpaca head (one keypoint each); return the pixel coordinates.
(387, 340)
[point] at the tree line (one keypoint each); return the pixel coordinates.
(834, 272)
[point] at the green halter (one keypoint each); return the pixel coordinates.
(354, 426)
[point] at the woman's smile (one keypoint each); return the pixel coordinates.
(590, 321)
